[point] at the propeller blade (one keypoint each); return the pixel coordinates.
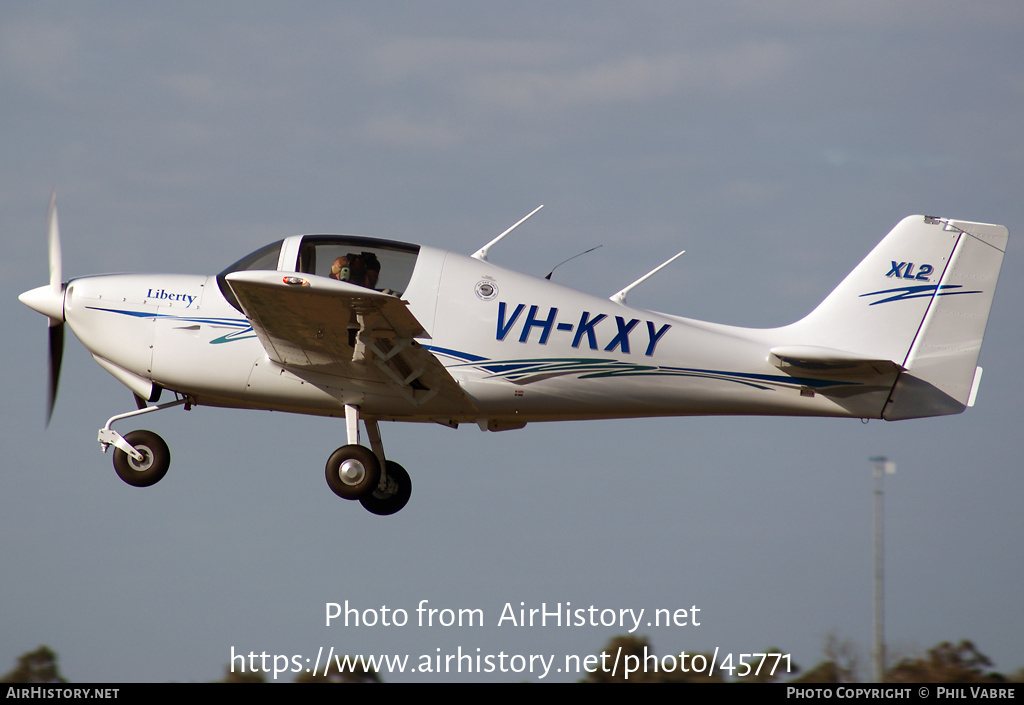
(56, 334)
(56, 356)
(53, 244)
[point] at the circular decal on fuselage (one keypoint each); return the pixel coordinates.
(486, 290)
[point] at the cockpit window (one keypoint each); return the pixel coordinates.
(262, 259)
(383, 265)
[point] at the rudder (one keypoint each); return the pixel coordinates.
(941, 364)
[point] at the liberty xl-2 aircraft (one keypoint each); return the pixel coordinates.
(376, 330)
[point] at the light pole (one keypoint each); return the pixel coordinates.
(881, 467)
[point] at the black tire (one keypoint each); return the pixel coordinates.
(397, 495)
(363, 473)
(156, 459)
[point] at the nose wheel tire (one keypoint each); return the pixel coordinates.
(156, 458)
(392, 499)
(352, 471)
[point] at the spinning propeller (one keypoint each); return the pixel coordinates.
(49, 301)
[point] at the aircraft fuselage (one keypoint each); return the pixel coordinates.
(522, 348)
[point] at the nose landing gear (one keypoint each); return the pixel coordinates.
(141, 458)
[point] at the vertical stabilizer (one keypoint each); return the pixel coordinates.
(921, 300)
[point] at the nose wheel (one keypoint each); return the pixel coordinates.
(152, 466)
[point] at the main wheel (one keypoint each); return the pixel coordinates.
(156, 458)
(352, 471)
(395, 497)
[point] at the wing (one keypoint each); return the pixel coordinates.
(318, 324)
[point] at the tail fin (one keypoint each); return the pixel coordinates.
(920, 300)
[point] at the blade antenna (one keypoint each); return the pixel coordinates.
(548, 277)
(481, 254)
(620, 297)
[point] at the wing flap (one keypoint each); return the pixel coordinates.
(306, 322)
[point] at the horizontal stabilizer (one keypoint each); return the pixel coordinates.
(826, 362)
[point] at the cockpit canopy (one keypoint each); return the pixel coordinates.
(383, 265)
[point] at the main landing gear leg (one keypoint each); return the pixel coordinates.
(355, 472)
(141, 458)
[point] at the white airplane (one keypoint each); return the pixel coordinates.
(376, 330)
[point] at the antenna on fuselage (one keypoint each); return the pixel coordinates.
(481, 254)
(620, 297)
(548, 277)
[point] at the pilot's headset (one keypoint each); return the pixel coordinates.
(344, 272)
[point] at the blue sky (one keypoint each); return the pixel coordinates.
(775, 143)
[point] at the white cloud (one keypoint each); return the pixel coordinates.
(541, 81)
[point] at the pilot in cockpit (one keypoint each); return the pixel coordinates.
(349, 268)
(372, 266)
(362, 269)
